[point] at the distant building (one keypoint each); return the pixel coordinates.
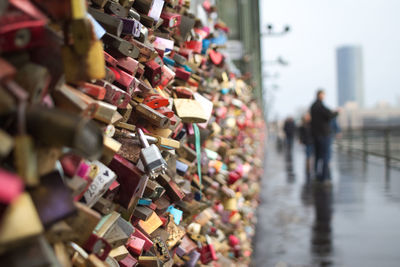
(382, 115)
(350, 75)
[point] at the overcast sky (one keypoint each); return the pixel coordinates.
(318, 28)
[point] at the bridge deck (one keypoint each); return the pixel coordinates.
(356, 222)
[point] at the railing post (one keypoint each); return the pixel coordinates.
(350, 140)
(364, 144)
(387, 146)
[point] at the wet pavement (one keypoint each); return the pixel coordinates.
(355, 222)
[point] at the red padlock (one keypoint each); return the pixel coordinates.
(182, 74)
(21, 27)
(216, 57)
(166, 112)
(196, 46)
(126, 82)
(93, 90)
(128, 64)
(153, 72)
(183, 92)
(171, 19)
(110, 60)
(99, 246)
(155, 101)
(135, 246)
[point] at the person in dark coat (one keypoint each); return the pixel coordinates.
(306, 138)
(321, 118)
(290, 129)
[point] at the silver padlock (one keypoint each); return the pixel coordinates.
(151, 157)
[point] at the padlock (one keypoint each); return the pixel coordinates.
(93, 90)
(148, 242)
(126, 3)
(84, 67)
(208, 253)
(183, 92)
(116, 237)
(196, 46)
(133, 181)
(142, 212)
(25, 159)
(22, 27)
(151, 224)
(128, 261)
(194, 257)
(106, 224)
(171, 188)
(167, 75)
(175, 232)
(116, 9)
(149, 261)
(135, 246)
(20, 221)
(106, 113)
(114, 95)
(131, 26)
(11, 187)
(171, 19)
(151, 115)
(190, 110)
(110, 75)
(111, 24)
(125, 226)
(100, 184)
(110, 60)
(168, 113)
(98, 246)
(161, 249)
(65, 129)
(176, 213)
(32, 250)
(155, 101)
(153, 190)
(52, 199)
(151, 157)
(119, 253)
(128, 64)
(142, 6)
(83, 223)
(70, 99)
(182, 74)
(35, 79)
(126, 82)
(187, 24)
(123, 47)
(186, 246)
(111, 147)
(100, 3)
(153, 72)
(147, 53)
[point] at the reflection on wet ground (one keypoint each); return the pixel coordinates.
(354, 222)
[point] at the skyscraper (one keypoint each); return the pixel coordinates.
(350, 75)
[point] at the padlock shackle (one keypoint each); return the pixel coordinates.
(142, 138)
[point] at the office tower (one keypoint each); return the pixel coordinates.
(350, 75)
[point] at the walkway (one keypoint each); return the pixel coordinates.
(354, 223)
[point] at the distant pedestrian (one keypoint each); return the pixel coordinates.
(306, 138)
(321, 118)
(290, 129)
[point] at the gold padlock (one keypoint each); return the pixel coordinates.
(84, 67)
(25, 159)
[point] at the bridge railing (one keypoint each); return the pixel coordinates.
(377, 141)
